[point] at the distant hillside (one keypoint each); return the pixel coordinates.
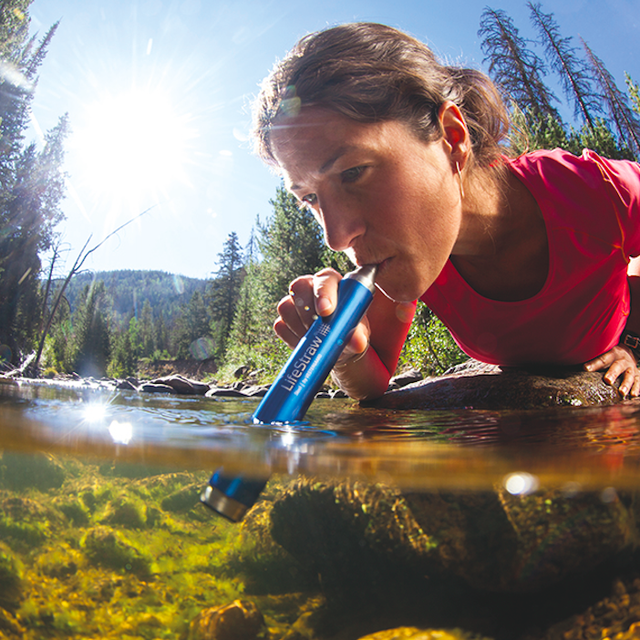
(129, 289)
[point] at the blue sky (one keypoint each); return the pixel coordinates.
(158, 96)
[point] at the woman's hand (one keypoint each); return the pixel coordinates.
(618, 361)
(312, 296)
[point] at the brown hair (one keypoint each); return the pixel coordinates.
(372, 73)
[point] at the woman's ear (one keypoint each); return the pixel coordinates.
(455, 133)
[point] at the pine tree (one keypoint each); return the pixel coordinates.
(516, 69)
(192, 337)
(91, 341)
(621, 114)
(31, 181)
(147, 331)
(572, 70)
(290, 244)
(634, 93)
(224, 291)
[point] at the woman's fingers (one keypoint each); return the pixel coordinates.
(619, 362)
(357, 345)
(309, 296)
(325, 291)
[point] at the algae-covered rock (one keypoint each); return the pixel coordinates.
(501, 542)
(10, 624)
(75, 510)
(240, 620)
(11, 587)
(493, 387)
(265, 566)
(59, 561)
(106, 547)
(38, 470)
(351, 533)
(126, 512)
(183, 499)
(360, 536)
(25, 522)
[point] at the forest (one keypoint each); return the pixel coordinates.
(108, 323)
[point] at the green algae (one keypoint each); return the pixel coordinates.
(102, 555)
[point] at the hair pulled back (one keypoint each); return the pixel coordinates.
(371, 73)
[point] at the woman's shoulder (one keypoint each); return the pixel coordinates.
(558, 172)
(559, 162)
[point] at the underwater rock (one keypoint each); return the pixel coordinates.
(11, 588)
(37, 470)
(509, 543)
(240, 620)
(106, 547)
(493, 387)
(615, 616)
(126, 513)
(351, 534)
(11, 625)
(183, 499)
(365, 537)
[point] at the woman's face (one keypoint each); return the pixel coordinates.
(381, 194)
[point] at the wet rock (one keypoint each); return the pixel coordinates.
(182, 385)
(225, 392)
(127, 385)
(242, 371)
(152, 387)
(406, 377)
(492, 387)
(360, 536)
(256, 390)
(240, 620)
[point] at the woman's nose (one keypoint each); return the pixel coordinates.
(341, 224)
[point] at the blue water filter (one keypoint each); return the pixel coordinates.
(231, 496)
(295, 387)
(315, 355)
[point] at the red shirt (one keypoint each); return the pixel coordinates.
(591, 209)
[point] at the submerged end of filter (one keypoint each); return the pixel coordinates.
(222, 504)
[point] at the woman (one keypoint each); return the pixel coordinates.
(401, 161)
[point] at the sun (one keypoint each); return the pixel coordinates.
(131, 148)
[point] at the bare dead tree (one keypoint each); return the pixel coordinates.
(77, 265)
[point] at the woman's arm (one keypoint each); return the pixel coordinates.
(370, 358)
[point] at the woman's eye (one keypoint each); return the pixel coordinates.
(351, 175)
(310, 199)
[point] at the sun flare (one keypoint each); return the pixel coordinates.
(132, 147)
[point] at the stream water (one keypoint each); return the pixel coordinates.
(102, 534)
